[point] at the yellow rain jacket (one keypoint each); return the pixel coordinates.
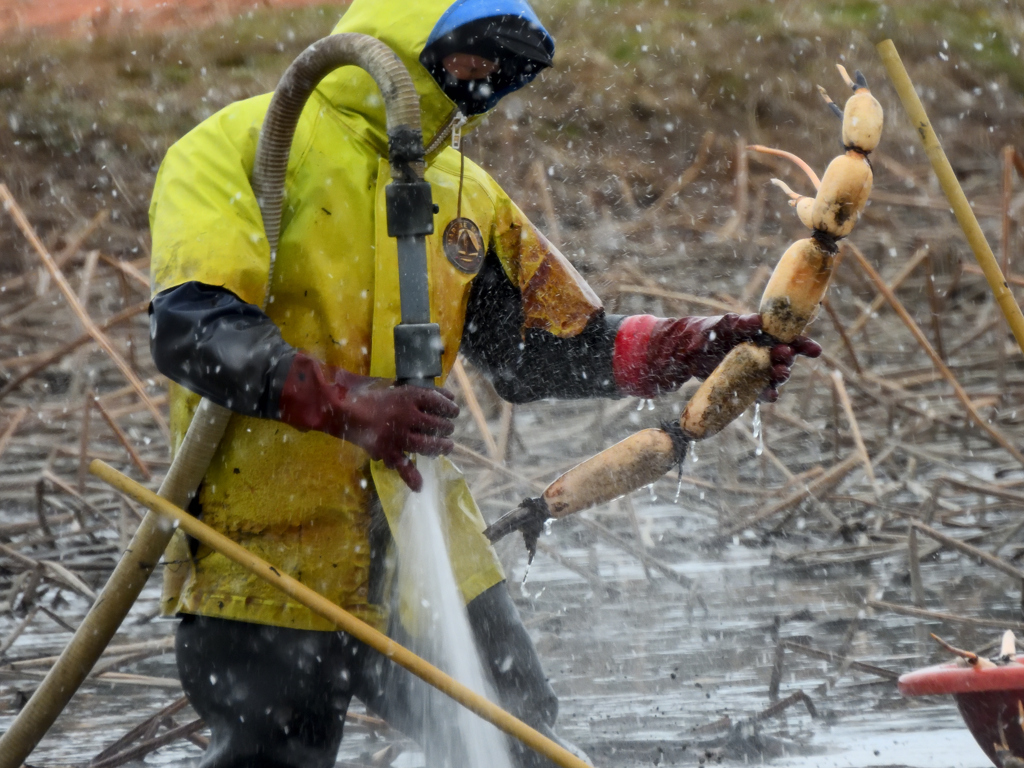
(302, 500)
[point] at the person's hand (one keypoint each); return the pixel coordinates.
(655, 355)
(783, 356)
(385, 420)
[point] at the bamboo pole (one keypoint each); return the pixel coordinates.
(954, 193)
(345, 621)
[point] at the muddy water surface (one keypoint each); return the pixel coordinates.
(647, 669)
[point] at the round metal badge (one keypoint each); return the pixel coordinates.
(464, 245)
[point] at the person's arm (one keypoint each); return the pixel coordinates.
(211, 342)
(527, 364)
(612, 356)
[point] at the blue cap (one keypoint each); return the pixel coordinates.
(463, 12)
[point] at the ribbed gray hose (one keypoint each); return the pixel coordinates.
(210, 420)
(401, 103)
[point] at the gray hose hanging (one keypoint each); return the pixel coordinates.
(210, 421)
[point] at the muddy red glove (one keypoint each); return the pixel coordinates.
(655, 355)
(384, 420)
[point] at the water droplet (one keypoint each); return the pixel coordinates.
(758, 430)
(693, 452)
(650, 405)
(654, 494)
(679, 489)
(522, 584)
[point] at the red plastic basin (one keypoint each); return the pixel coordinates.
(987, 699)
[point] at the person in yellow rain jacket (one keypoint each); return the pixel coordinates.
(312, 471)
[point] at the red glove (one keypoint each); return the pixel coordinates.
(384, 420)
(655, 355)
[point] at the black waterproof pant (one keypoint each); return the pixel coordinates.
(277, 698)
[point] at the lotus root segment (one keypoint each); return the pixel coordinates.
(730, 389)
(843, 194)
(637, 461)
(796, 288)
(862, 121)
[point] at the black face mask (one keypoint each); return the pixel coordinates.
(520, 49)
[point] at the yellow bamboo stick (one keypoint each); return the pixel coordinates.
(954, 193)
(345, 621)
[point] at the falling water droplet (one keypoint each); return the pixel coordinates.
(654, 494)
(758, 430)
(679, 489)
(640, 404)
(693, 453)
(650, 405)
(548, 524)
(522, 584)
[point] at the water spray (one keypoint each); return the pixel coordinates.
(790, 302)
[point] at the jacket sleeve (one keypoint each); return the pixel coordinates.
(208, 340)
(204, 216)
(532, 322)
(527, 364)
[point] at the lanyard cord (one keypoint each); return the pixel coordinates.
(457, 144)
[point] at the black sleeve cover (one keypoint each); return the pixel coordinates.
(210, 341)
(533, 364)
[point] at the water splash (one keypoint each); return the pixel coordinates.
(758, 430)
(433, 605)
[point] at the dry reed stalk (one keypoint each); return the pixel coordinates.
(506, 425)
(829, 656)
(934, 305)
(932, 203)
(83, 440)
(40, 360)
(67, 253)
(634, 524)
(540, 181)
(143, 749)
(689, 298)
(137, 732)
(906, 270)
(16, 632)
(819, 485)
(838, 325)
(122, 438)
(128, 270)
(998, 563)
(921, 613)
(914, 562)
(56, 571)
(475, 410)
(26, 228)
(858, 440)
(922, 340)
(11, 428)
(734, 227)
